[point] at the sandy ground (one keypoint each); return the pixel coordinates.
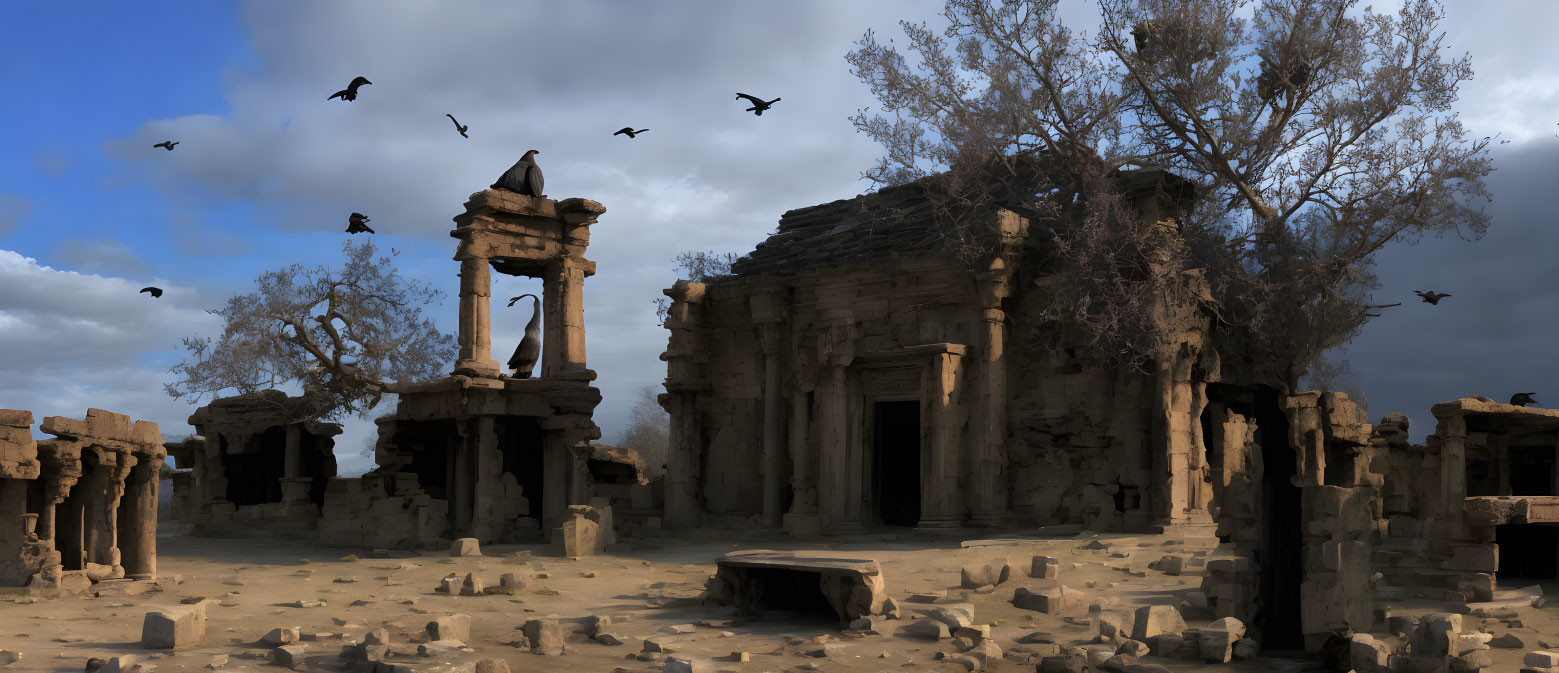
(654, 586)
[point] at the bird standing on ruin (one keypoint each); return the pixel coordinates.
(524, 177)
(525, 354)
(357, 224)
(156, 292)
(1522, 399)
(628, 131)
(1430, 296)
(167, 144)
(350, 92)
(458, 127)
(758, 104)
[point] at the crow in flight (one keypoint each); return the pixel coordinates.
(1431, 296)
(167, 144)
(758, 104)
(156, 292)
(458, 127)
(628, 131)
(1522, 399)
(357, 224)
(350, 92)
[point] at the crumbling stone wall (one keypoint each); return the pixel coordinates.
(257, 463)
(79, 508)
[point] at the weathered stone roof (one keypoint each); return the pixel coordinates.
(903, 220)
(255, 412)
(1508, 416)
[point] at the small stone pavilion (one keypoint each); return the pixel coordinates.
(80, 508)
(479, 454)
(256, 463)
(855, 374)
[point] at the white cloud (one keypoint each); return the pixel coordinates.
(70, 341)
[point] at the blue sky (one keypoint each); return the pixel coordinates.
(267, 170)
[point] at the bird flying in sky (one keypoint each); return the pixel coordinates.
(1431, 296)
(458, 127)
(357, 224)
(156, 292)
(350, 92)
(167, 144)
(628, 131)
(758, 104)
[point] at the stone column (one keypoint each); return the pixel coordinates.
(988, 459)
(1453, 464)
(291, 469)
(773, 426)
(487, 465)
(138, 533)
(940, 499)
(563, 305)
(476, 340)
(556, 466)
(802, 520)
(834, 450)
(682, 497)
(461, 492)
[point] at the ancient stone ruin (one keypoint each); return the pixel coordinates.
(256, 463)
(80, 508)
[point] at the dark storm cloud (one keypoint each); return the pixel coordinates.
(1495, 336)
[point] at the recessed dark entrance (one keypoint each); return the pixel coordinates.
(1281, 547)
(1532, 470)
(796, 592)
(254, 477)
(1528, 551)
(524, 456)
(896, 461)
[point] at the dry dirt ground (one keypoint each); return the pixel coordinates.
(652, 586)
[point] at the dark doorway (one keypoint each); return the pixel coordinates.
(1280, 553)
(1528, 551)
(254, 478)
(524, 456)
(429, 443)
(71, 519)
(317, 461)
(796, 592)
(896, 461)
(1531, 470)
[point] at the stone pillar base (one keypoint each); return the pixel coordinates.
(988, 519)
(803, 526)
(846, 526)
(478, 368)
(942, 526)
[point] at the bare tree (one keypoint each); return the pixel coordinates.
(1314, 132)
(343, 335)
(698, 266)
(649, 427)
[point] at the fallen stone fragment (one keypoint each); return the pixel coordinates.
(472, 586)
(492, 666)
(308, 604)
(96, 664)
(1154, 620)
(280, 636)
(926, 628)
(1134, 648)
(217, 662)
(466, 546)
(607, 639)
(677, 629)
(456, 627)
(989, 572)
(545, 636)
(288, 656)
(1044, 567)
(658, 644)
(9, 657)
(679, 665)
(174, 627)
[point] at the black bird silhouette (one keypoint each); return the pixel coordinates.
(524, 177)
(628, 131)
(1522, 399)
(350, 92)
(458, 127)
(357, 224)
(758, 104)
(156, 292)
(1431, 296)
(524, 359)
(167, 144)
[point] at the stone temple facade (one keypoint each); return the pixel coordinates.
(479, 454)
(253, 467)
(854, 374)
(80, 508)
